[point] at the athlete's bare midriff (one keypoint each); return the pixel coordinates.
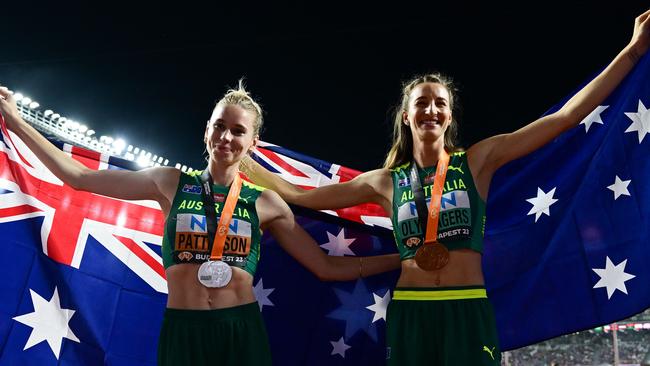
(463, 269)
(186, 292)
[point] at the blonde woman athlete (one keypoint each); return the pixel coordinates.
(212, 317)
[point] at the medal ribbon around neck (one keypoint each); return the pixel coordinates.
(432, 255)
(224, 220)
(436, 199)
(216, 273)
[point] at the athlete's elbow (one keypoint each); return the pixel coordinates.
(325, 274)
(79, 179)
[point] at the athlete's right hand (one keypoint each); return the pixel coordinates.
(8, 107)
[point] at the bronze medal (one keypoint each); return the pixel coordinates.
(432, 256)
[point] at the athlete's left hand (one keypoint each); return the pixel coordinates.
(641, 36)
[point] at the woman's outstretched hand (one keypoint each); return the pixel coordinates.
(8, 107)
(641, 36)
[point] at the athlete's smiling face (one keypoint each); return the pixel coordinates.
(230, 135)
(429, 111)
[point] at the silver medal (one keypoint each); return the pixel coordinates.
(214, 274)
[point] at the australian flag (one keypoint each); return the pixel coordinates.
(567, 241)
(567, 248)
(83, 279)
(84, 282)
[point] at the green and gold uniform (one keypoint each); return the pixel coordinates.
(440, 326)
(230, 336)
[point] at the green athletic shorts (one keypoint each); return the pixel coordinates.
(441, 326)
(230, 336)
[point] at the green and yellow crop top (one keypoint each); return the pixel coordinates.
(186, 237)
(462, 211)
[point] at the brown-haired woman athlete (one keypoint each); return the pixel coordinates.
(440, 314)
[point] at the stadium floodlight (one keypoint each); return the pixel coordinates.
(142, 161)
(62, 119)
(136, 150)
(55, 116)
(47, 112)
(160, 159)
(177, 166)
(155, 157)
(130, 148)
(157, 164)
(166, 162)
(25, 100)
(18, 97)
(184, 168)
(109, 140)
(189, 170)
(90, 132)
(82, 128)
(119, 145)
(73, 125)
(148, 155)
(33, 105)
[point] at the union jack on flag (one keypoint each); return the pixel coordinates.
(79, 267)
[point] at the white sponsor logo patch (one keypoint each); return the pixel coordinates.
(190, 223)
(449, 201)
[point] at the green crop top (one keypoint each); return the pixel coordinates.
(462, 211)
(186, 239)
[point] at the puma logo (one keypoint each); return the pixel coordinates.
(489, 351)
(458, 168)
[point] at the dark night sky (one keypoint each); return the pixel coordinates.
(327, 75)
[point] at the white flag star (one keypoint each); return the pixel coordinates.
(380, 306)
(339, 347)
(640, 121)
(49, 322)
(613, 277)
(620, 187)
(262, 294)
(541, 203)
(338, 245)
(594, 117)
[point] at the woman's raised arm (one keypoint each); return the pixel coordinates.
(124, 184)
(373, 186)
(488, 155)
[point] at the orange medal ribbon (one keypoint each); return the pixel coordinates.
(224, 220)
(436, 198)
(433, 255)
